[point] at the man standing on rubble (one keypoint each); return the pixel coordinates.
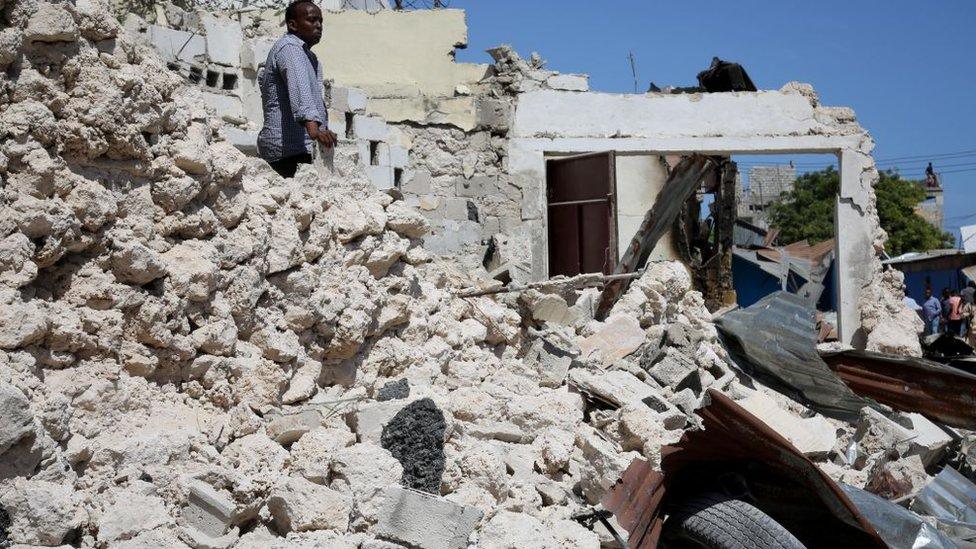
(931, 312)
(295, 117)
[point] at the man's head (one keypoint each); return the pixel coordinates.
(304, 19)
(972, 284)
(928, 293)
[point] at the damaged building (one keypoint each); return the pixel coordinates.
(498, 314)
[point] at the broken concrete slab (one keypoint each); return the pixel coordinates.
(813, 436)
(569, 82)
(617, 388)
(616, 338)
(422, 520)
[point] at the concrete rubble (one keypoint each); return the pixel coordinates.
(195, 352)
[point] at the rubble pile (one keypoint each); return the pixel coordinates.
(196, 352)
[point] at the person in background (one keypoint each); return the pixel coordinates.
(969, 311)
(968, 294)
(295, 117)
(955, 313)
(945, 308)
(931, 312)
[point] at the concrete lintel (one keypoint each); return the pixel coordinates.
(807, 144)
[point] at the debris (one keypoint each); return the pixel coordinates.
(813, 436)
(723, 76)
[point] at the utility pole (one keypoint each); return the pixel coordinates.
(633, 70)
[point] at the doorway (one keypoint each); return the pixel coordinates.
(582, 208)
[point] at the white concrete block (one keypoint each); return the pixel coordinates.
(569, 82)
(928, 440)
(449, 237)
(229, 107)
(176, 45)
(381, 176)
(399, 157)
(255, 52)
(337, 123)
(348, 99)
(245, 141)
(370, 128)
(422, 520)
(224, 38)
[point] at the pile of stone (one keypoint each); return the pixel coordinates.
(196, 352)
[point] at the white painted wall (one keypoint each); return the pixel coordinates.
(640, 177)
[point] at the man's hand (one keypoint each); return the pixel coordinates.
(326, 137)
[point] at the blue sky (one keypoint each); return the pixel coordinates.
(907, 68)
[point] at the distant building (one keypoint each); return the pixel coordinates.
(767, 184)
(931, 209)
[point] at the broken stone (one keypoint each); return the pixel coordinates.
(132, 513)
(18, 422)
(298, 505)
(897, 479)
(422, 520)
(616, 338)
(394, 390)
(287, 428)
(617, 387)
(41, 513)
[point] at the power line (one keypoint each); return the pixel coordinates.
(929, 156)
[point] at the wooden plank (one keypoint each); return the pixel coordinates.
(680, 186)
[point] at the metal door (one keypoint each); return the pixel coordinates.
(581, 200)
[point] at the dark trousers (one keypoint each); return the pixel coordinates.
(286, 167)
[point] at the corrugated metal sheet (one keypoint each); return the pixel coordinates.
(731, 435)
(939, 392)
(775, 340)
(951, 499)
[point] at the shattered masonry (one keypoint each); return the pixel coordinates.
(196, 352)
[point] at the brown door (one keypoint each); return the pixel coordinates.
(580, 192)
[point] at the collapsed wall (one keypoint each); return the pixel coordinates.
(196, 352)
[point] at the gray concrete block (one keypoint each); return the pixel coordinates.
(337, 123)
(176, 45)
(245, 141)
(229, 108)
(418, 184)
(477, 187)
(494, 114)
(208, 510)
(450, 237)
(421, 520)
(675, 370)
(224, 38)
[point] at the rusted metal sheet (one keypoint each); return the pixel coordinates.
(735, 440)
(775, 340)
(581, 205)
(939, 392)
(680, 186)
(636, 503)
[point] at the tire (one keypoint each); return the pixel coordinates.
(716, 521)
